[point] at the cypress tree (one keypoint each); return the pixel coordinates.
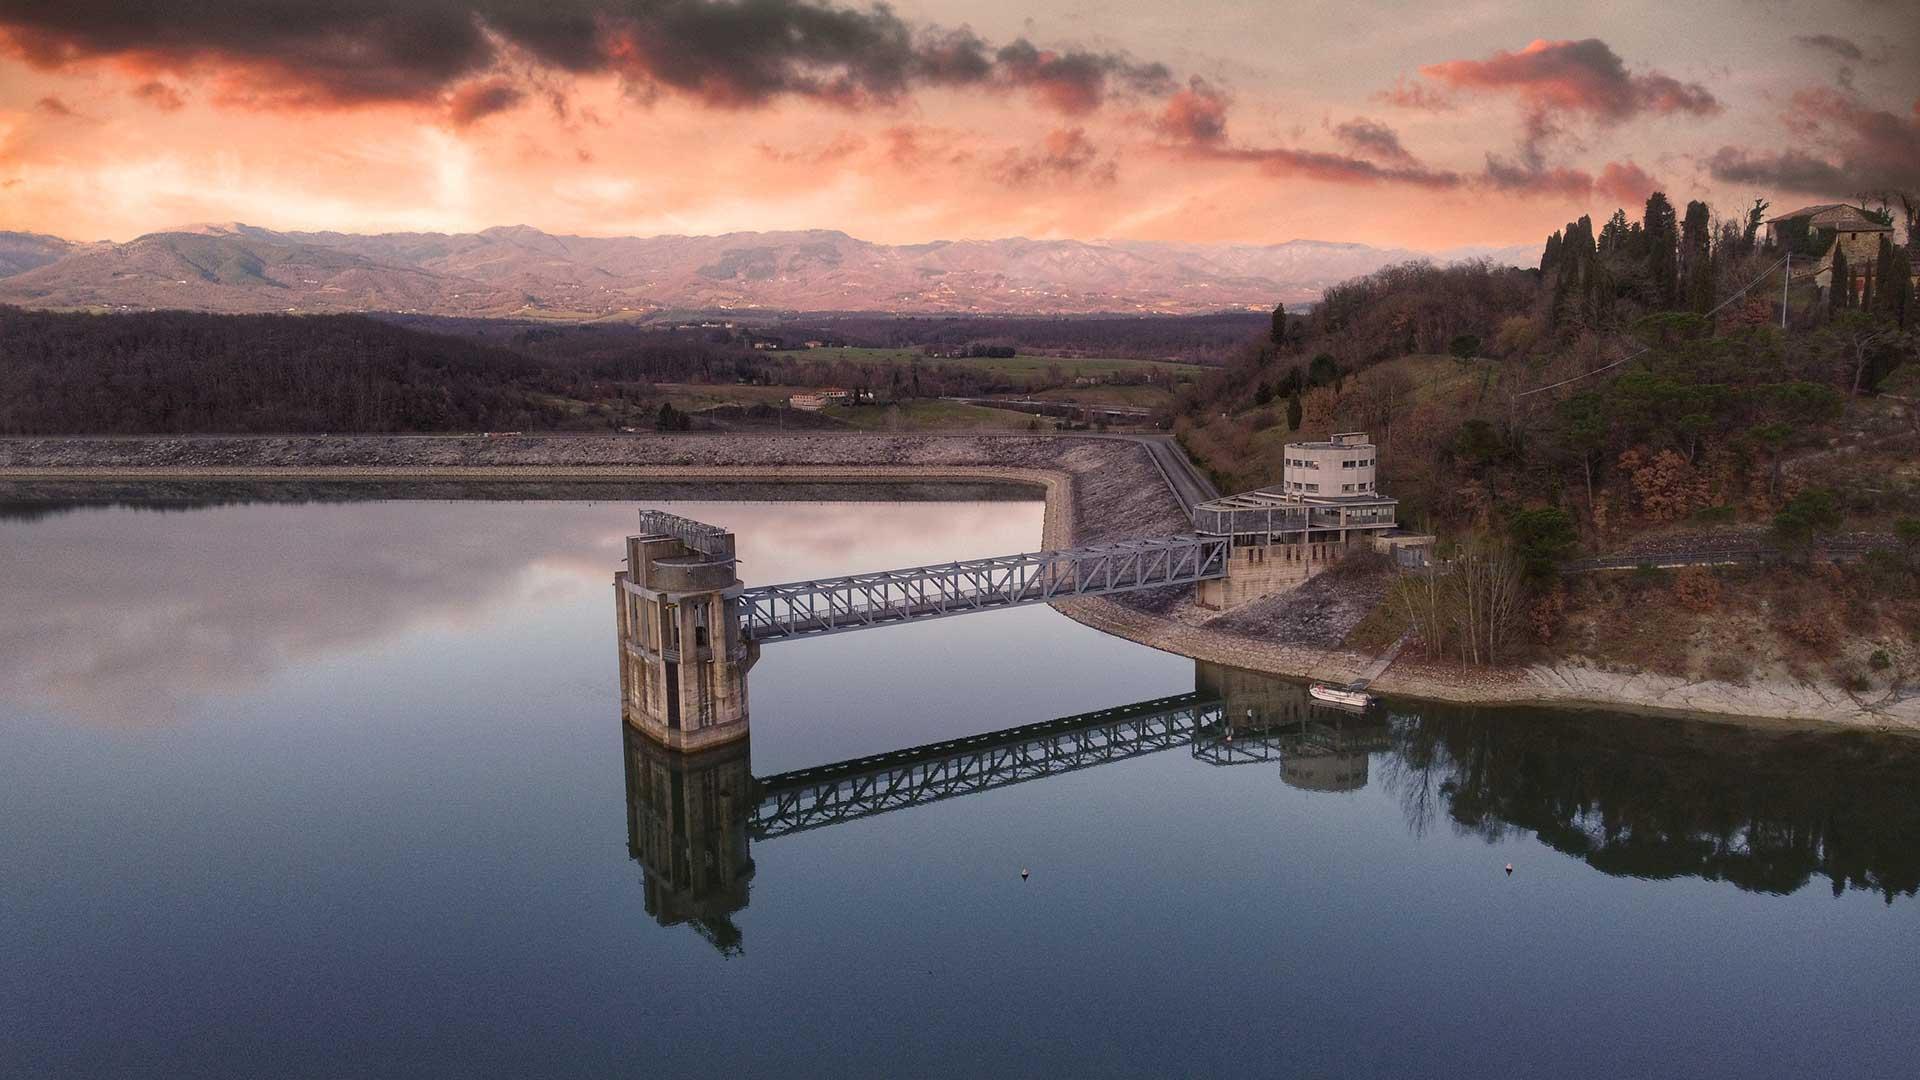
(1696, 248)
(1294, 411)
(1279, 326)
(1839, 293)
(1886, 288)
(1896, 283)
(1661, 243)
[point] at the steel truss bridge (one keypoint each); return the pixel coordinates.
(833, 605)
(862, 787)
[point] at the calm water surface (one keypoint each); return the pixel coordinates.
(340, 789)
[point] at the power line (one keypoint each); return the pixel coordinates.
(1742, 291)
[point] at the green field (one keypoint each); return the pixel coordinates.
(1021, 368)
(1145, 397)
(928, 414)
(695, 396)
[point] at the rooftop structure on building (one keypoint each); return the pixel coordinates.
(1327, 492)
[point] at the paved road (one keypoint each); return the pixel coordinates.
(1725, 557)
(1189, 484)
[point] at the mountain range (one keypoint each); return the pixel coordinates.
(522, 272)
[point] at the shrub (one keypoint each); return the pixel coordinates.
(1542, 539)
(1806, 516)
(1696, 589)
(1879, 661)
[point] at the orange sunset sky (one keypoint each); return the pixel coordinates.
(1420, 125)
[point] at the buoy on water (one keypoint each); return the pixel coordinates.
(1023, 873)
(1509, 869)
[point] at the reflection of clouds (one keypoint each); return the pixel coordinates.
(127, 617)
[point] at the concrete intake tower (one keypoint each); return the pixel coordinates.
(683, 660)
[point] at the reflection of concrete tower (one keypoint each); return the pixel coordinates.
(687, 828)
(1250, 701)
(1325, 772)
(683, 664)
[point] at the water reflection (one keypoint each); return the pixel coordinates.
(687, 828)
(132, 617)
(1763, 810)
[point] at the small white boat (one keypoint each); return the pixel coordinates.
(1358, 699)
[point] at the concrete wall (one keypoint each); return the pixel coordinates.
(1265, 569)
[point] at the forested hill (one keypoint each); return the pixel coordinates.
(1644, 393)
(176, 372)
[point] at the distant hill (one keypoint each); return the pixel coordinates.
(522, 271)
(20, 252)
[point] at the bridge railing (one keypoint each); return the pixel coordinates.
(832, 605)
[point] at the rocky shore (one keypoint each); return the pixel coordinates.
(1097, 489)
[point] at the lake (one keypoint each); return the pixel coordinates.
(339, 787)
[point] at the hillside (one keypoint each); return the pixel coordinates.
(1636, 402)
(523, 271)
(20, 252)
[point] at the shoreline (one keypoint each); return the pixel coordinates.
(1066, 471)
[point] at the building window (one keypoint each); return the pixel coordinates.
(1313, 487)
(1346, 487)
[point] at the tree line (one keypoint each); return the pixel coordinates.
(177, 372)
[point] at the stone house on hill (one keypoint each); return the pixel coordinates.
(1830, 227)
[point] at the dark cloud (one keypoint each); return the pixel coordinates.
(475, 101)
(1077, 82)
(1067, 155)
(344, 51)
(1838, 46)
(159, 95)
(1577, 76)
(728, 53)
(1528, 172)
(1196, 120)
(1372, 139)
(1790, 169)
(53, 106)
(1534, 179)
(1197, 114)
(1842, 147)
(1333, 168)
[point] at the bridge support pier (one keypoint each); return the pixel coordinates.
(683, 661)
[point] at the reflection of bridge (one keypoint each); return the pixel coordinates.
(690, 817)
(829, 794)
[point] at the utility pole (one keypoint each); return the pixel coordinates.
(1785, 280)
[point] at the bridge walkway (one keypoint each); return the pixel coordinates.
(858, 601)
